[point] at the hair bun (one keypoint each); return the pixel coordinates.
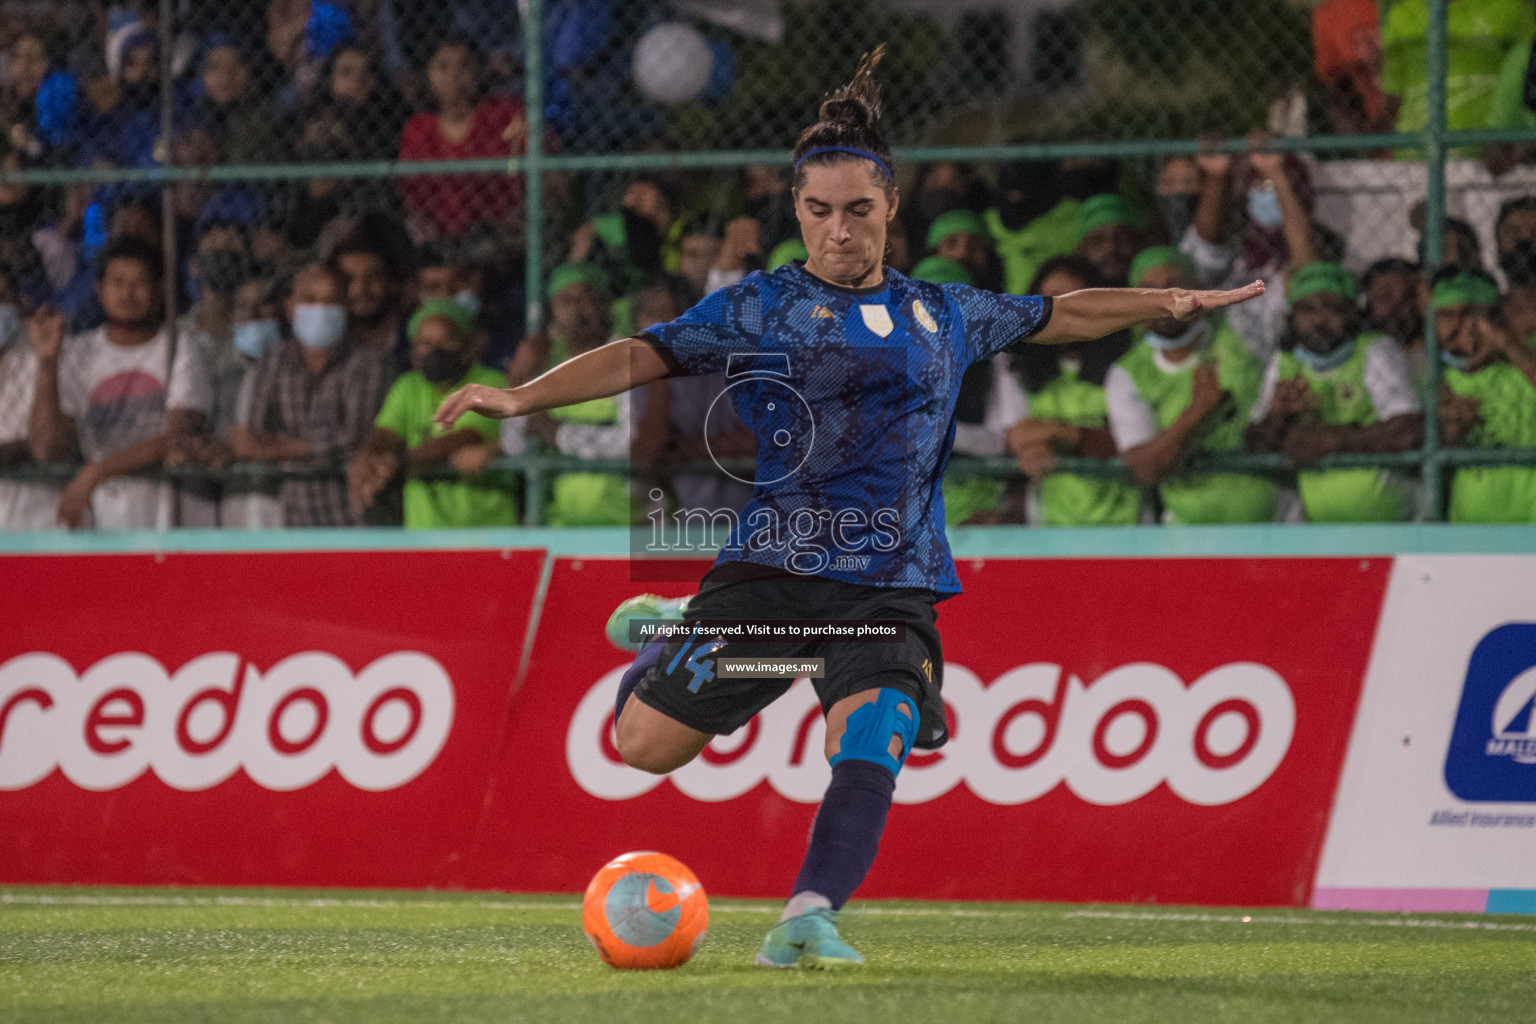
(848, 110)
(858, 102)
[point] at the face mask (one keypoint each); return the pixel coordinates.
(1330, 360)
(319, 325)
(1455, 362)
(1264, 208)
(253, 337)
(223, 270)
(469, 300)
(1519, 263)
(10, 326)
(1163, 343)
(1178, 213)
(140, 94)
(443, 367)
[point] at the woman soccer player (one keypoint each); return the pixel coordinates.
(847, 372)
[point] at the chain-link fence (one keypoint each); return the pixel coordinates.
(472, 149)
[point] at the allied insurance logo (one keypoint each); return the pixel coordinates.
(1492, 757)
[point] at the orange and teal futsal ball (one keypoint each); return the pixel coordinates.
(645, 911)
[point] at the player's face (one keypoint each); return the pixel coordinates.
(843, 215)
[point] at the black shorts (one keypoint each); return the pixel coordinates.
(730, 591)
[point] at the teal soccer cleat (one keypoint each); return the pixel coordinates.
(645, 606)
(809, 940)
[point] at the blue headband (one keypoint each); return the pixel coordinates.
(845, 149)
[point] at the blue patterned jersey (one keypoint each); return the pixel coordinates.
(850, 398)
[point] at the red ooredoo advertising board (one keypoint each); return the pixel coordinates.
(1122, 730)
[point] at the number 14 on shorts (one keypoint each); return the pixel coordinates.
(701, 672)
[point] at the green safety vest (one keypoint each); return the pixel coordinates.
(1346, 495)
(1067, 499)
(1496, 494)
(1208, 497)
(1053, 233)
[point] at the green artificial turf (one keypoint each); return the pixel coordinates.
(237, 956)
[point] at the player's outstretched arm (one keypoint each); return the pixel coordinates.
(1094, 312)
(601, 373)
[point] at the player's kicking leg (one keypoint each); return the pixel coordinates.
(869, 736)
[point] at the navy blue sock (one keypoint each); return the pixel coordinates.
(649, 655)
(846, 835)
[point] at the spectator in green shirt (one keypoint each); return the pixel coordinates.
(1186, 388)
(443, 359)
(960, 235)
(1033, 221)
(1487, 398)
(1480, 34)
(1109, 235)
(1335, 388)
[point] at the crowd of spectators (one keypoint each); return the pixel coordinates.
(318, 323)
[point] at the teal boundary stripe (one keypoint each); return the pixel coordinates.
(1512, 901)
(975, 542)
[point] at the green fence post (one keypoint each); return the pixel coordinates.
(1431, 502)
(533, 277)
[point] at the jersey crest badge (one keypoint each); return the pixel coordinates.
(878, 319)
(923, 316)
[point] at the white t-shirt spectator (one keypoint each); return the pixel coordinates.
(118, 395)
(1260, 321)
(23, 505)
(1006, 405)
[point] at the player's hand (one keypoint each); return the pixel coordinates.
(1187, 304)
(495, 403)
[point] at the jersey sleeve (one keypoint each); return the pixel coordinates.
(993, 321)
(721, 324)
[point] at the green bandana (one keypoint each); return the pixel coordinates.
(568, 274)
(946, 224)
(1464, 290)
(461, 317)
(1322, 277)
(1103, 210)
(1160, 256)
(938, 270)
